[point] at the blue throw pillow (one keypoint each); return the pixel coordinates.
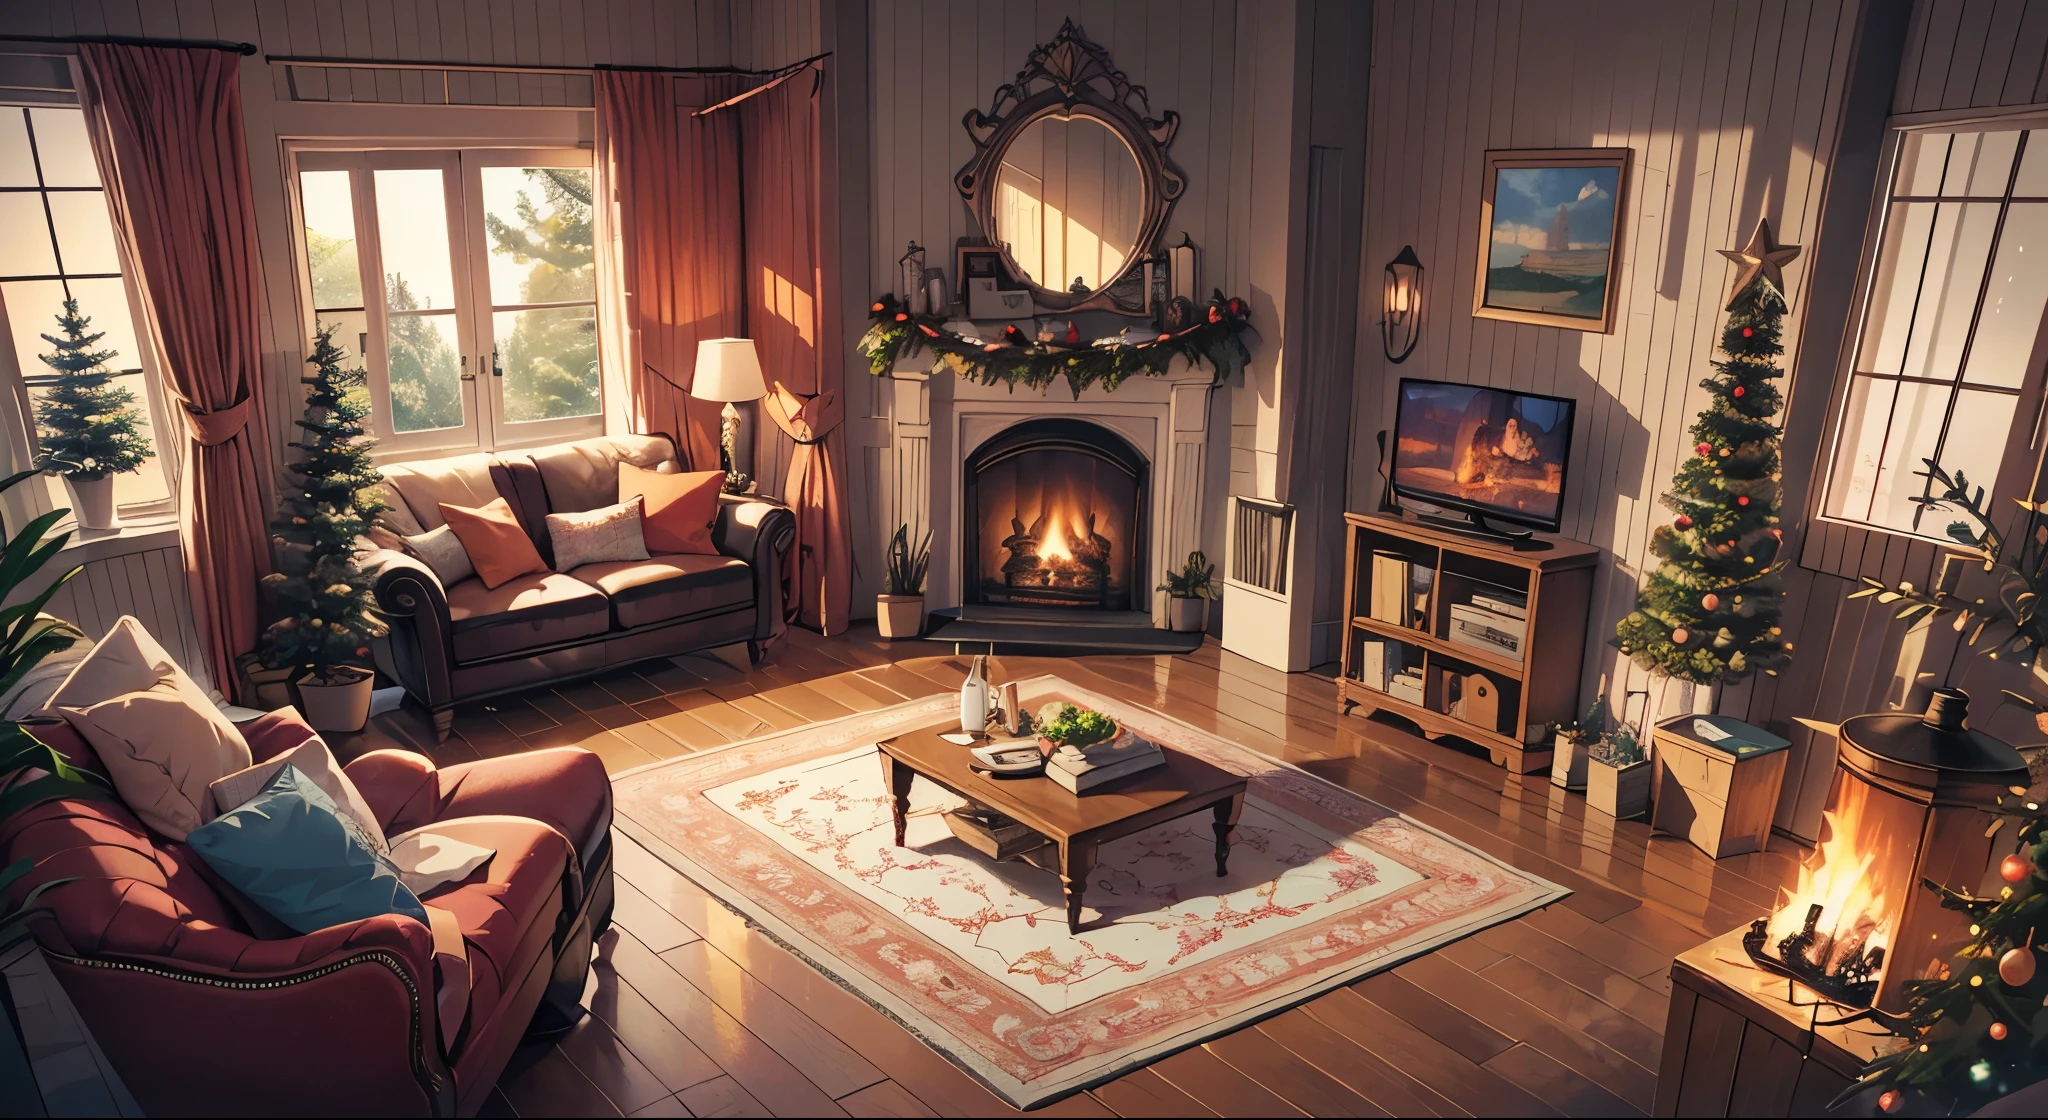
(292, 853)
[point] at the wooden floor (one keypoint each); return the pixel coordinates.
(1560, 1012)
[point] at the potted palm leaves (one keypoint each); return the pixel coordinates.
(1574, 743)
(1188, 592)
(899, 612)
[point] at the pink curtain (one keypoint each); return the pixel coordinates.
(167, 136)
(785, 294)
(668, 245)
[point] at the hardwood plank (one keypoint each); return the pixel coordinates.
(552, 1086)
(612, 1066)
(884, 1098)
(666, 1052)
(834, 1066)
(1563, 1089)
(670, 1105)
(1142, 1092)
(1209, 1079)
(1291, 1078)
(1521, 939)
(1373, 1028)
(1365, 1072)
(656, 928)
(1466, 1034)
(721, 1096)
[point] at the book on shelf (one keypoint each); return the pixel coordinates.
(1421, 578)
(991, 833)
(1407, 685)
(1482, 629)
(1371, 670)
(1091, 776)
(1389, 588)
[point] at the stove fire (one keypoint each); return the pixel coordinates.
(1055, 518)
(1049, 556)
(1830, 932)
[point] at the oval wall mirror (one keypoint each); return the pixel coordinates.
(1070, 177)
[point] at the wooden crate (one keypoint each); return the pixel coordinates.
(1722, 800)
(1740, 1042)
(1539, 688)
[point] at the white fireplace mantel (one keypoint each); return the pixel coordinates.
(939, 419)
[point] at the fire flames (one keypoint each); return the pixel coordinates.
(1054, 547)
(1839, 878)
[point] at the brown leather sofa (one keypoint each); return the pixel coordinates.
(466, 642)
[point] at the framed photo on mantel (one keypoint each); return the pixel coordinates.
(1550, 236)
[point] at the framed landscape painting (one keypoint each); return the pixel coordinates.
(1550, 236)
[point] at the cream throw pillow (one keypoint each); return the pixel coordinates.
(317, 763)
(441, 550)
(603, 534)
(161, 739)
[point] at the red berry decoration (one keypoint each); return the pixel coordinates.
(1746, 332)
(1704, 448)
(1710, 601)
(1742, 500)
(1236, 307)
(2015, 867)
(1738, 390)
(1683, 522)
(1889, 1101)
(1680, 636)
(2016, 967)
(1998, 1032)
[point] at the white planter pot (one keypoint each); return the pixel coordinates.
(1568, 762)
(1187, 615)
(899, 616)
(337, 707)
(92, 501)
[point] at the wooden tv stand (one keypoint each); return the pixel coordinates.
(1540, 687)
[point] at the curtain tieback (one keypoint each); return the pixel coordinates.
(211, 429)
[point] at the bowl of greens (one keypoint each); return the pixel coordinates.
(1061, 724)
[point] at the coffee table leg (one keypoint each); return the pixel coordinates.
(898, 778)
(1226, 820)
(1076, 861)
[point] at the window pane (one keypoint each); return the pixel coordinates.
(62, 148)
(1892, 298)
(33, 307)
(1915, 435)
(17, 169)
(426, 381)
(25, 237)
(85, 232)
(1975, 444)
(2013, 300)
(549, 358)
(1862, 446)
(412, 232)
(2033, 180)
(1980, 163)
(331, 238)
(1956, 256)
(1922, 155)
(537, 220)
(352, 335)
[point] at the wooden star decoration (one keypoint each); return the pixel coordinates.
(1761, 257)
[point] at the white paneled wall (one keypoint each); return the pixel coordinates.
(149, 585)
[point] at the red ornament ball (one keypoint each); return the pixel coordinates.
(1739, 390)
(2015, 867)
(1680, 636)
(1746, 332)
(1742, 500)
(2016, 967)
(1683, 522)
(1704, 448)
(1998, 1032)
(1710, 601)
(1889, 1101)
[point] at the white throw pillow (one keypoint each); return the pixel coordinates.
(441, 550)
(317, 763)
(162, 741)
(36, 686)
(603, 534)
(426, 860)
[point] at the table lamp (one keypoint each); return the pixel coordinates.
(729, 370)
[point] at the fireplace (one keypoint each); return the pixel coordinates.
(1054, 519)
(1912, 799)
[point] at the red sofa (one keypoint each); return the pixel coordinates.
(202, 1014)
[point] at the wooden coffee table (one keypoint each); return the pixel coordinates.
(1076, 824)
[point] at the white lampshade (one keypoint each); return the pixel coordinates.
(728, 370)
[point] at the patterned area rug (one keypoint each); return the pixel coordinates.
(793, 830)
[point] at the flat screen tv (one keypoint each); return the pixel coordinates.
(1489, 453)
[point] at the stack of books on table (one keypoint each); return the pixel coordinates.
(1496, 620)
(1080, 769)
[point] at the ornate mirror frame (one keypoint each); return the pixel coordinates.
(1069, 77)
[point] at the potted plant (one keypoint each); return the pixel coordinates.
(331, 613)
(1618, 775)
(1188, 593)
(1574, 743)
(87, 425)
(1061, 724)
(899, 612)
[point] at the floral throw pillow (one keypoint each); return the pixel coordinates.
(604, 534)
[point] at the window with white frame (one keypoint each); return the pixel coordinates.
(57, 243)
(1953, 311)
(465, 283)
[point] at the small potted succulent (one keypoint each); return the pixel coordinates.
(1618, 775)
(1061, 724)
(1574, 742)
(87, 425)
(1188, 592)
(899, 612)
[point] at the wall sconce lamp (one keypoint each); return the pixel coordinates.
(1401, 310)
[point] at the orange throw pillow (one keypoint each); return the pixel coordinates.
(680, 508)
(498, 548)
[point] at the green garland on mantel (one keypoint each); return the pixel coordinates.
(1014, 359)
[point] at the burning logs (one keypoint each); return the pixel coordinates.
(1843, 969)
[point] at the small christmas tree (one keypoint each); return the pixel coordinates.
(87, 425)
(1709, 613)
(332, 617)
(1980, 1031)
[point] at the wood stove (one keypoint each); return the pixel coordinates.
(1055, 519)
(1912, 799)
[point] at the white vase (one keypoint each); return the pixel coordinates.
(899, 616)
(341, 706)
(92, 501)
(1187, 615)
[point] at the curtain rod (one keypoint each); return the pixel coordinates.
(330, 62)
(764, 87)
(133, 41)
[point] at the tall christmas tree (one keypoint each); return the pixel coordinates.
(1709, 613)
(87, 425)
(332, 617)
(1980, 1030)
